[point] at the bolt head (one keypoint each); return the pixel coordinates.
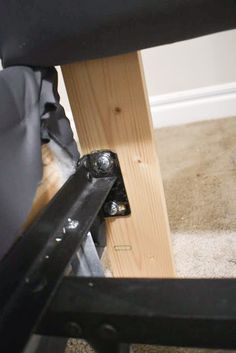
(102, 163)
(111, 208)
(107, 332)
(73, 329)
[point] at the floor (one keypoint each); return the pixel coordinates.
(198, 164)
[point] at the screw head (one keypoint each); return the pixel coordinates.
(107, 332)
(73, 329)
(111, 208)
(102, 163)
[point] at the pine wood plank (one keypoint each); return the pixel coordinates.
(110, 108)
(50, 184)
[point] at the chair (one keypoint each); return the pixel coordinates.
(97, 44)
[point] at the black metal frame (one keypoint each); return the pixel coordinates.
(36, 297)
(178, 312)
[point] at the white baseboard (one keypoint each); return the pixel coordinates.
(205, 103)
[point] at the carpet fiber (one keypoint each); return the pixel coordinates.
(198, 164)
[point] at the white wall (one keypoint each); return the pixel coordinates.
(200, 62)
(192, 80)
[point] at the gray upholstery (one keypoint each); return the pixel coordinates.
(29, 113)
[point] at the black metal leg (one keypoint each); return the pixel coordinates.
(45, 344)
(173, 312)
(52, 344)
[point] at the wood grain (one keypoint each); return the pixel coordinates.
(110, 109)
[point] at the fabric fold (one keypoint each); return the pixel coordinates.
(30, 114)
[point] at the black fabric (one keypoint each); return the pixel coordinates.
(54, 123)
(28, 98)
(51, 32)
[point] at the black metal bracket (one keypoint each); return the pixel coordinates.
(100, 164)
(168, 312)
(105, 163)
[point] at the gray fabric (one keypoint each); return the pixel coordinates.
(28, 99)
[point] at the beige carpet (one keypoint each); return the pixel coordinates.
(198, 164)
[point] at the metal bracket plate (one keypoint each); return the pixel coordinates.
(104, 163)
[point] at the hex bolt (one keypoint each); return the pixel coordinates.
(102, 163)
(111, 208)
(107, 332)
(73, 329)
(114, 208)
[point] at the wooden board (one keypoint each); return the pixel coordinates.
(110, 109)
(50, 184)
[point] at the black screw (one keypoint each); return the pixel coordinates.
(40, 286)
(107, 332)
(73, 329)
(36, 282)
